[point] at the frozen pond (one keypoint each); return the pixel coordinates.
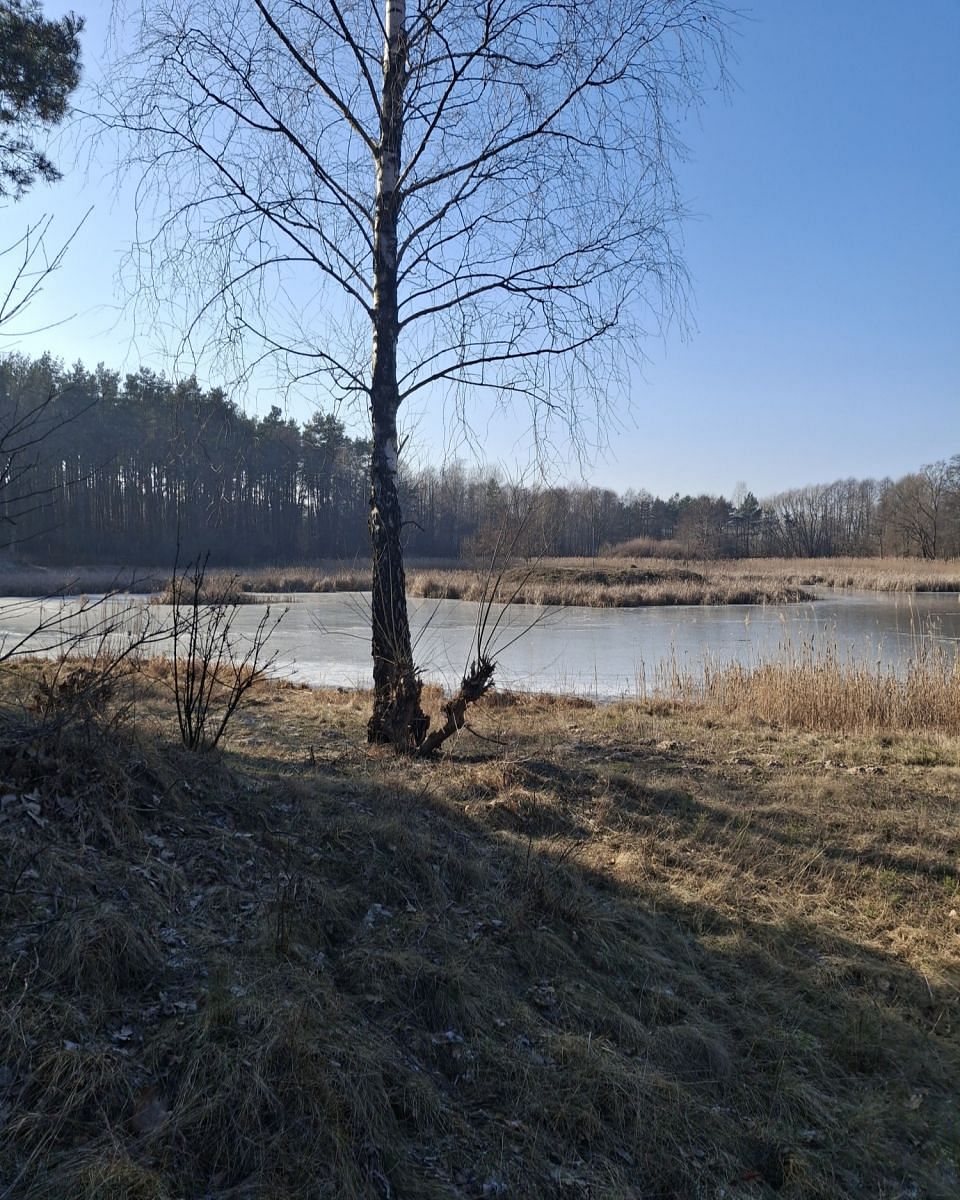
(605, 653)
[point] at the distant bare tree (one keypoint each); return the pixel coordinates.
(475, 194)
(702, 526)
(923, 507)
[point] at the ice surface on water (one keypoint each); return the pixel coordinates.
(605, 653)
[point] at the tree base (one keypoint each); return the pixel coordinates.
(398, 719)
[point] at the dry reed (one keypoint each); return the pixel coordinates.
(603, 584)
(856, 574)
(16, 580)
(612, 581)
(823, 690)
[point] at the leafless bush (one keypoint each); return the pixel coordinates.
(77, 688)
(88, 653)
(211, 674)
(646, 547)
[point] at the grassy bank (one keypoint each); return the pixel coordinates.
(21, 580)
(617, 583)
(595, 583)
(601, 583)
(621, 951)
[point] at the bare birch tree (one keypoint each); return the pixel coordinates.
(439, 198)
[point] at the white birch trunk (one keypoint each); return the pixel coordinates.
(397, 716)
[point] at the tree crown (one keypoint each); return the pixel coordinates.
(39, 69)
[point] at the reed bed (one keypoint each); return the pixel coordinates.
(615, 582)
(30, 581)
(217, 588)
(594, 583)
(619, 580)
(827, 692)
(323, 578)
(558, 583)
(857, 574)
(250, 586)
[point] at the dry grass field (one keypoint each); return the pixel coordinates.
(857, 574)
(623, 951)
(606, 583)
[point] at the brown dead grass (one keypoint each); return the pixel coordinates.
(825, 692)
(620, 951)
(857, 574)
(604, 583)
(21, 580)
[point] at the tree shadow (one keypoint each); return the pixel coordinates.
(637, 1028)
(364, 976)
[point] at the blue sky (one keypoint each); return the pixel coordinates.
(823, 246)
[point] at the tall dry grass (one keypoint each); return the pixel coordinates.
(28, 581)
(593, 583)
(600, 583)
(827, 692)
(857, 574)
(250, 585)
(615, 582)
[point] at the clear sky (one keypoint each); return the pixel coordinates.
(824, 250)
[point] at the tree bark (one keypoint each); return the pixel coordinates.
(398, 717)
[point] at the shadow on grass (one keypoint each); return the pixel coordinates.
(389, 979)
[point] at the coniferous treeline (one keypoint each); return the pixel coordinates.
(98, 469)
(127, 468)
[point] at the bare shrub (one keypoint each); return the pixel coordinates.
(75, 669)
(72, 693)
(211, 674)
(488, 639)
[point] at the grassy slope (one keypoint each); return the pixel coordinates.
(613, 952)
